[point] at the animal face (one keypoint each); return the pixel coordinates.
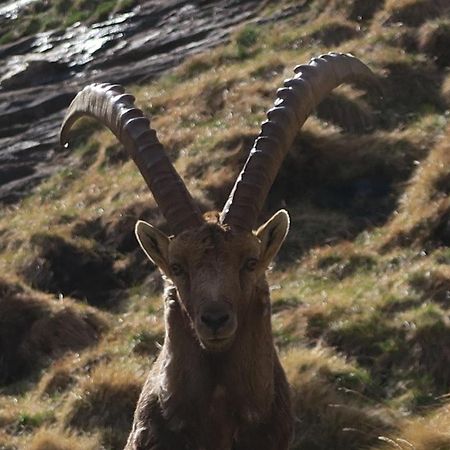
(215, 270)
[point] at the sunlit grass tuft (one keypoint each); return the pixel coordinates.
(105, 403)
(53, 439)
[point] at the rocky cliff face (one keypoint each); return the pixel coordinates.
(39, 75)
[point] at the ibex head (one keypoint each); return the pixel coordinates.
(216, 266)
(215, 270)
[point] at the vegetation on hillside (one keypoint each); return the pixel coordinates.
(361, 289)
(48, 15)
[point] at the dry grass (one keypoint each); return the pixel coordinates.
(430, 432)
(330, 408)
(35, 329)
(48, 439)
(424, 207)
(364, 333)
(105, 403)
(58, 380)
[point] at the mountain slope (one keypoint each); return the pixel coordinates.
(361, 303)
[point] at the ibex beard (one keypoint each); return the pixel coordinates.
(217, 383)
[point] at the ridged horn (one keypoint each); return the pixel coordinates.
(295, 101)
(115, 109)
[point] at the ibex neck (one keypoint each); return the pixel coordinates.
(243, 375)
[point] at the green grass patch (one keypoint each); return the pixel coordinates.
(26, 422)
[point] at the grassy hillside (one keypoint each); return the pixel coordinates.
(361, 289)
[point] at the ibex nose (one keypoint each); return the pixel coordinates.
(215, 320)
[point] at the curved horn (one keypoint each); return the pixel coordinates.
(113, 108)
(299, 96)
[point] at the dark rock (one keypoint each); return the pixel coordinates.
(41, 74)
(35, 110)
(34, 73)
(17, 48)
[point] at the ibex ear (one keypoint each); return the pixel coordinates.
(154, 243)
(272, 235)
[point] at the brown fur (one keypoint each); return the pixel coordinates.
(232, 397)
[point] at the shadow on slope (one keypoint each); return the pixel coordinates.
(337, 185)
(424, 213)
(33, 331)
(63, 268)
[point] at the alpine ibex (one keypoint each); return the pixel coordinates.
(218, 383)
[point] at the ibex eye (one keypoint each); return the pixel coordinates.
(176, 269)
(250, 264)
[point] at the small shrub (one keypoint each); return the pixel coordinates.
(27, 422)
(247, 37)
(246, 40)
